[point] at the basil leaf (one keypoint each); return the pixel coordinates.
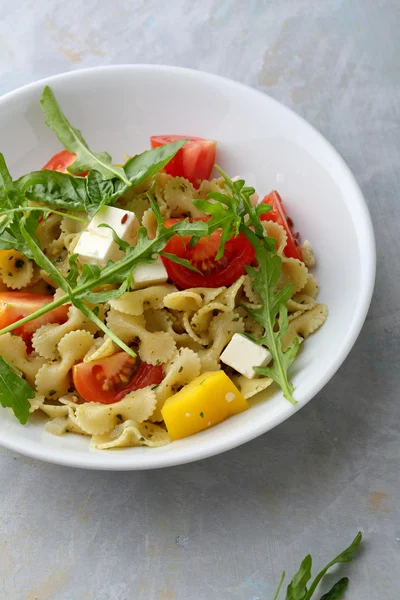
(14, 392)
(72, 140)
(99, 192)
(55, 189)
(337, 591)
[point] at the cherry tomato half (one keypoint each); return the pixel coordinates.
(194, 161)
(17, 305)
(215, 273)
(60, 162)
(110, 379)
(278, 215)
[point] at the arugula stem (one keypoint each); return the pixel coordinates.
(24, 209)
(279, 586)
(38, 313)
(89, 313)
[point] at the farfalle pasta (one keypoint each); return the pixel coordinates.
(144, 302)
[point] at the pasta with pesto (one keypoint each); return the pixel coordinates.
(146, 302)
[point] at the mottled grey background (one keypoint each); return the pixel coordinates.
(224, 528)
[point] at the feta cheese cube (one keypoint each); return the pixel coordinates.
(146, 275)
(242, 355)
(96, 249)
(124, 223)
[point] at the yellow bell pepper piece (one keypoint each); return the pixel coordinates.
(205, 401)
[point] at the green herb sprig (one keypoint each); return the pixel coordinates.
(235, 213)
(297, 588)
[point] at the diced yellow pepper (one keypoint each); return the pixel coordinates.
(205, 401)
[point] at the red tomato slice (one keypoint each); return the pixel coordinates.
(194, 161)
(60, 162)
(278, 215)
(16, 305)
(238, 253)
(110, 379)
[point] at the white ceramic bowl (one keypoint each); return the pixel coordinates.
(118, 108)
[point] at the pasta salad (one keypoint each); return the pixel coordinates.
(143, 303)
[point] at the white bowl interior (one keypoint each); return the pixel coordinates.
(117, 109)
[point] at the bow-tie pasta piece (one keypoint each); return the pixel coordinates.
(178, 196)
(305, 324)
(103, 347)
(293, 271)
(47, 337)
(181, 370)
(54, 378)
(251, 387)
(222, 329)
(129, 434)
(13, 350)
(135, 303)
(94, 418)
(154, 348)
(16, 271)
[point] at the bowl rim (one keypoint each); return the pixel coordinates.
(125, 461)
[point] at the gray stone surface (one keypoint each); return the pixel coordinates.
(224, 528)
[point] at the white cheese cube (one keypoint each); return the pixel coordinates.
(96, 249)
(146, 275)
(124, 223)
(242, 355)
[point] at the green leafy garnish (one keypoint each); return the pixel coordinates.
(337, 590)
(72, 140)
(297, 588)
(14, 392)
(278, 589)
(272, 315)
(79, 289)
(148, 163)
(234, 212)
(90, 193)
(180, 261)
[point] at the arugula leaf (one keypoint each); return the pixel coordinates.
(180, 261)
(273, 305)
(6, 182)
(345, 556)
(14, 392)
(240, 194)
(221, 218)
(337, 591)
(297, 588)
(72, 140)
